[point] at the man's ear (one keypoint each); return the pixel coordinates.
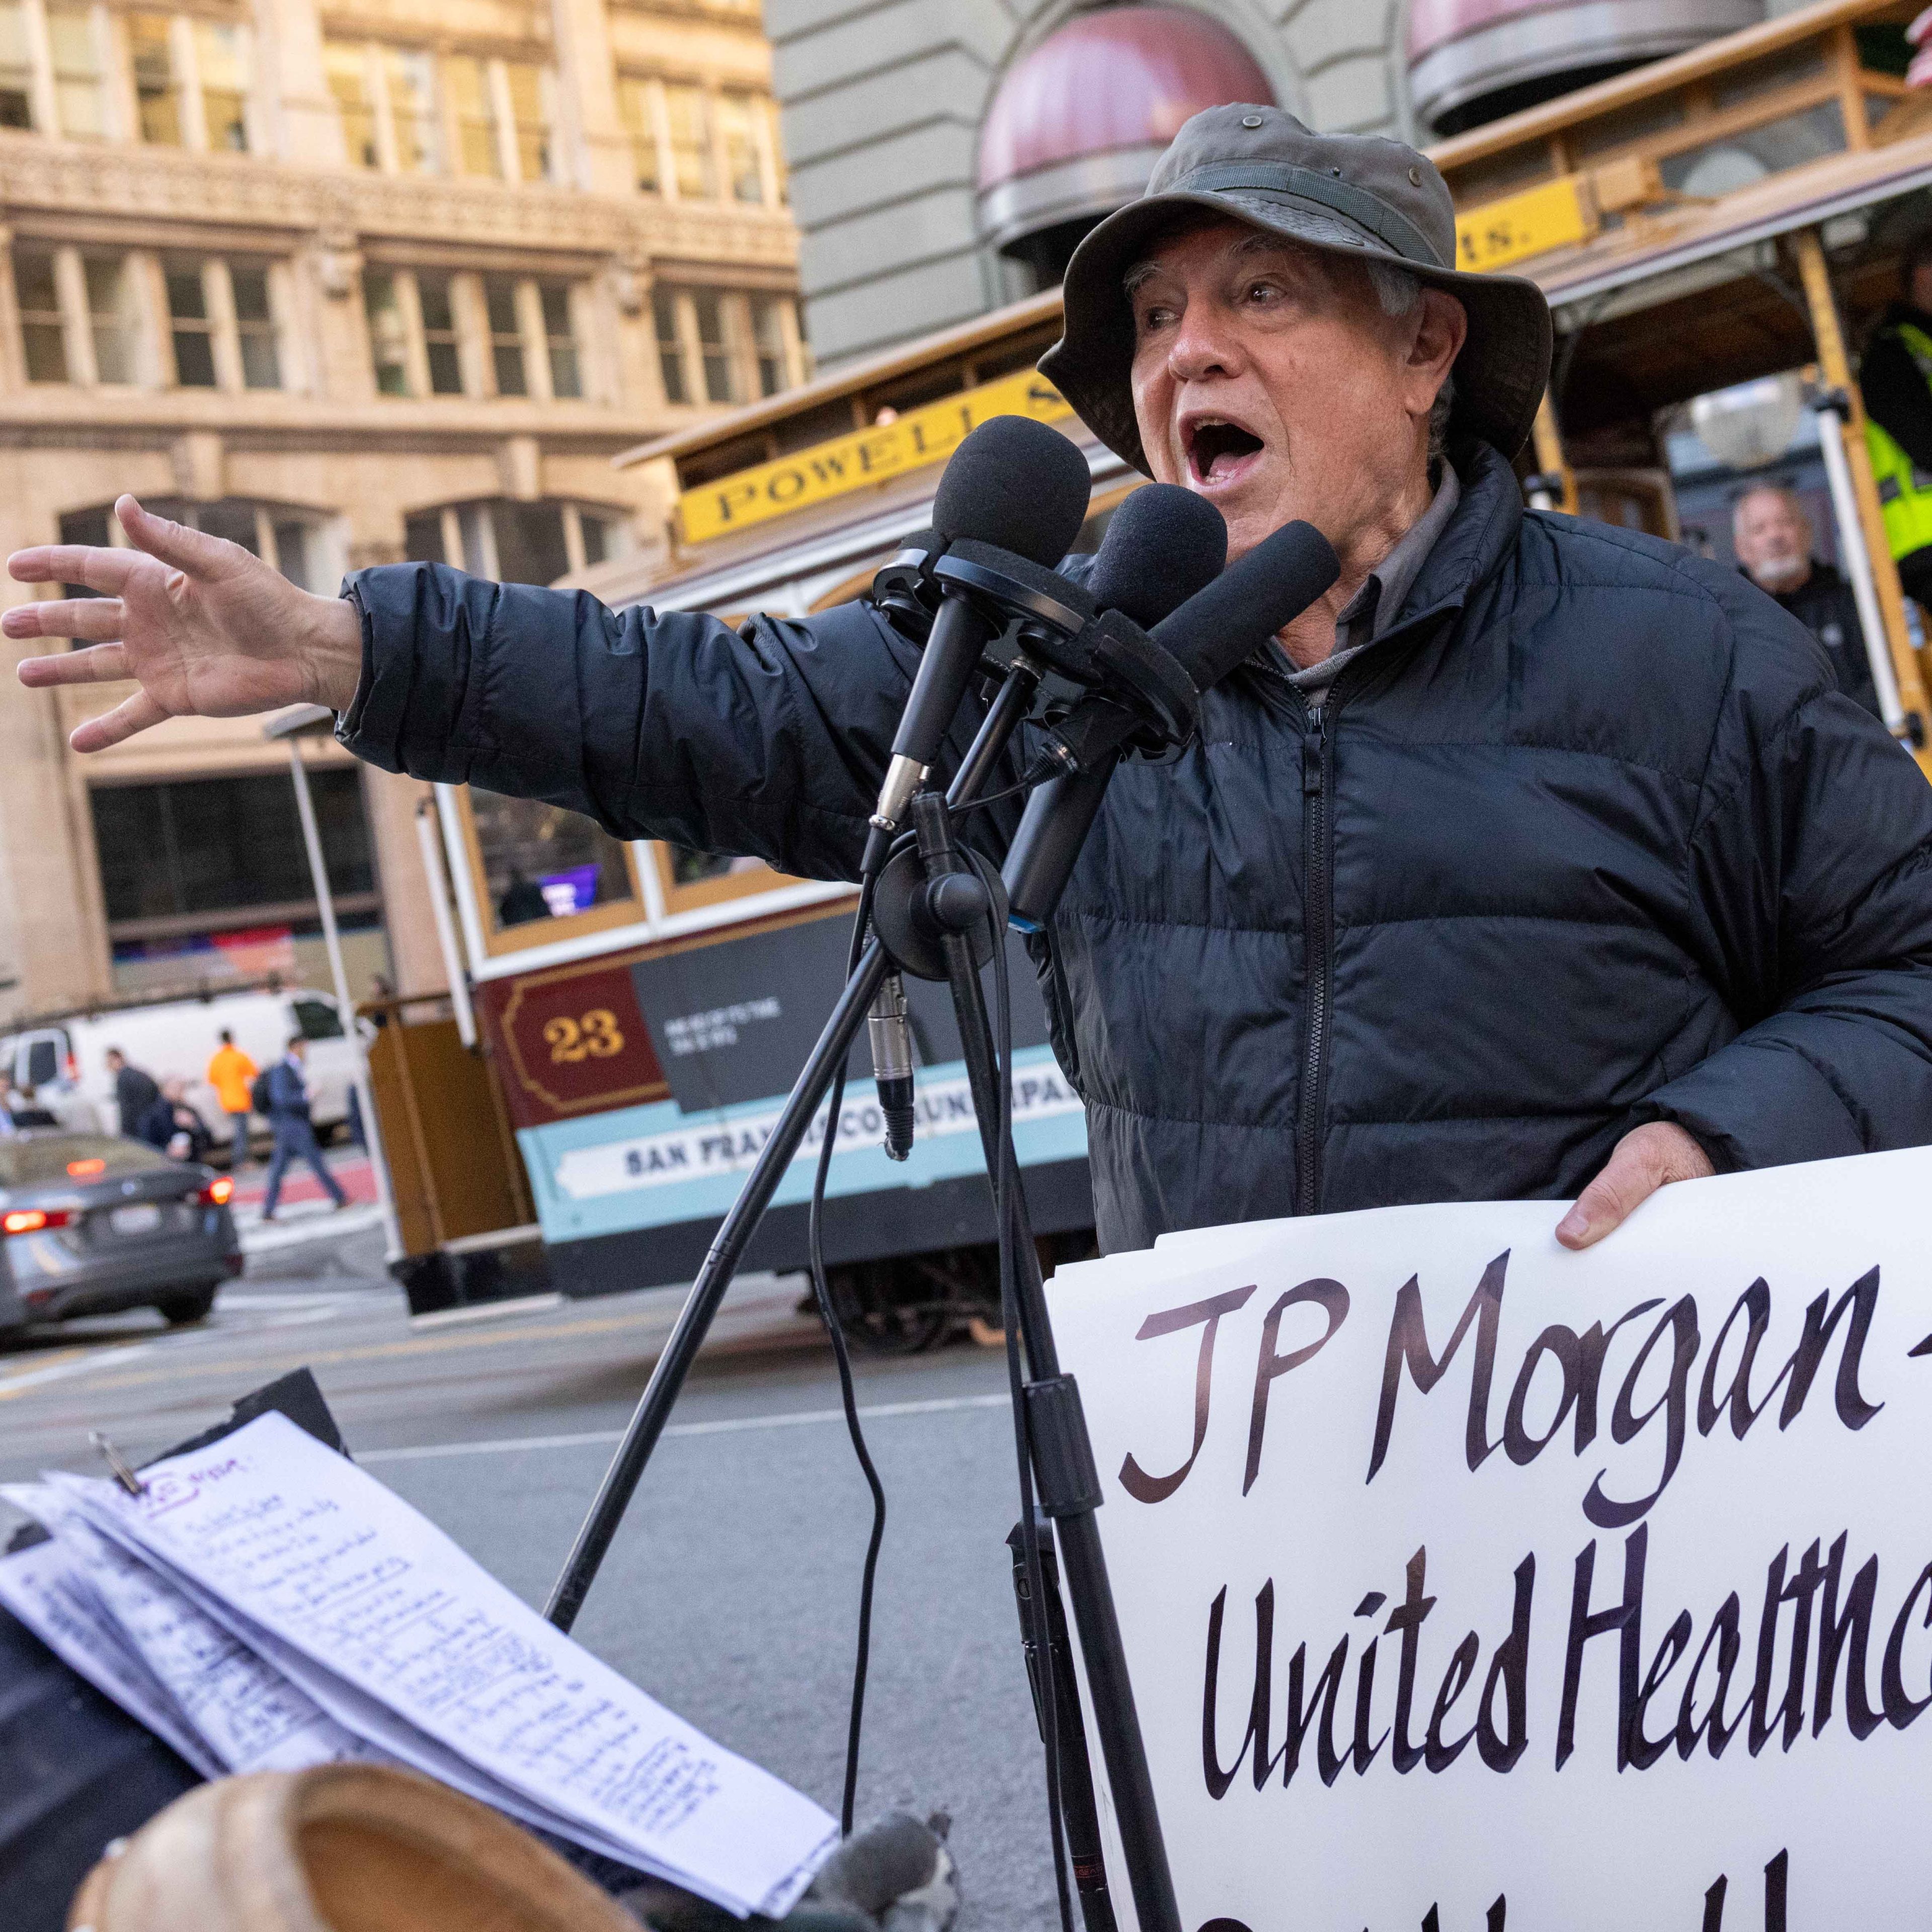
(1441, 330)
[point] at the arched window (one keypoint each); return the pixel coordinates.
(302, 544)
(515, 542)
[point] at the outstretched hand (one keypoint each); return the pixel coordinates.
(206, 628)
(1647, 1158)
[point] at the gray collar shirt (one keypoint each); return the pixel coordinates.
(1375, 606)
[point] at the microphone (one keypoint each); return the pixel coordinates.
(1017, 486)
(1014, 486)
(1163, 545)
(1212, 634)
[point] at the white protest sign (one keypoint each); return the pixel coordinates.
(1468, 1584)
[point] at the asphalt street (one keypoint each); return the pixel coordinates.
(731, 1590)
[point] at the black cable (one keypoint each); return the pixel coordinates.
(821, 1290)
(1005, 1198)
(1040, 770)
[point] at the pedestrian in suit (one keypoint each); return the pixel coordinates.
(289, 1119)
(134, 1092)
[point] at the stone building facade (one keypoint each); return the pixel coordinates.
(923, 134)
(883, 102)
(347, 284)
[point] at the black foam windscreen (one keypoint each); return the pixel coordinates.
(1018, 484)
(1163, 545)
(1222, 626)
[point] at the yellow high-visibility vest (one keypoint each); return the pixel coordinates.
(1904, 492)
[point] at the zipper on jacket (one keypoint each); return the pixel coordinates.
(1318, 937)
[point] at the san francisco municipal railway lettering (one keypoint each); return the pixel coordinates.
(701, 1149)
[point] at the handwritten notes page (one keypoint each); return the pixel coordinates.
(45, 1587)
(300, 1547)
(245, 1710)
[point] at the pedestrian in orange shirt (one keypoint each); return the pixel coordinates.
(230, 1073)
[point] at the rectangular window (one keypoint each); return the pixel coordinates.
(685, 111)
(530, 90)
(439, 335)
(735, 125)
(670, 347)
(506, 338)
(468, 80)
(212, 845)
(233, 519)
(291, 553)
(596, 537)
(16, 68)
(718, 387)
(777, 150)
(565, 379)
(193, 328)
(634, 104)
(409, 73)
(346, 64)
(539, 864)
(768, 332)
(422, 537)
(389, 334)
(92, 529)
(530, 548)
(225, 55)
(111, 317)
(255, 324)
(79, 95)
(156, 95)
(38, 295)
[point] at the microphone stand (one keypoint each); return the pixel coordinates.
(932, 899)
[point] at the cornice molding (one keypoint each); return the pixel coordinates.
(164, 185)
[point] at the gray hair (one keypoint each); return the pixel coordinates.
(1771, 487)
(1398, 291)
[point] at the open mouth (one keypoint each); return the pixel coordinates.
(1218, 451)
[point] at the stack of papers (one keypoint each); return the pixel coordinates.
(264, 1604)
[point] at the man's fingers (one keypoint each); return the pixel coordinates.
(97, 619)
(96, 664)
(106, 571)
(1647, 1158)
(189, 550)
(1628, 1180)
(131, 715)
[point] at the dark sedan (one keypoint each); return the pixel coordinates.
(90, 1223)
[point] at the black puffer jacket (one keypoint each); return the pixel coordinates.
(1589, 838)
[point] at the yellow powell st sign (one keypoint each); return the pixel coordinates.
(1529, 224)
(867, 456)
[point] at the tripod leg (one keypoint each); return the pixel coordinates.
(1069, 1490)
(1056, 1680)
(700, 1306)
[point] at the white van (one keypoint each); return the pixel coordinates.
(64, 1060)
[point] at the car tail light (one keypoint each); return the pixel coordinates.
(33, 1220)
(86, 1170)
(217, 1193)
(73, 1070)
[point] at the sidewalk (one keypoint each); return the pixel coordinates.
(304, 1213)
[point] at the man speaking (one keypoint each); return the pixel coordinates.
(1538, 858)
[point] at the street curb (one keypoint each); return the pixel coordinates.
(257, 1239)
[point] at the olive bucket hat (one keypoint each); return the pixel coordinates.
(1354, 195)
